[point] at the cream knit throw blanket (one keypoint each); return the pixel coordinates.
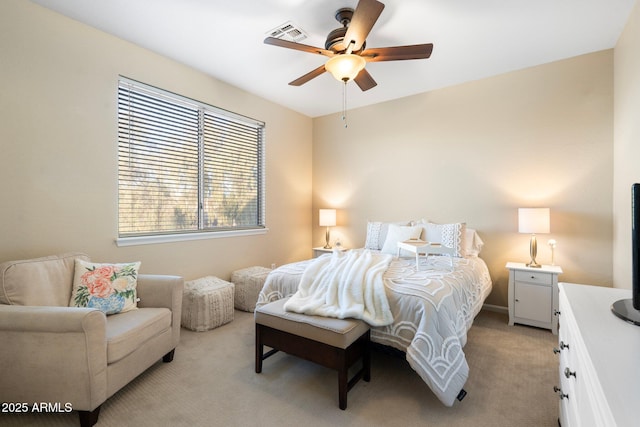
(345, 284)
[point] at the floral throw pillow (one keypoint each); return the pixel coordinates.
(111, 288)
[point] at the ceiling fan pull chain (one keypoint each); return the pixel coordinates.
(344, 103)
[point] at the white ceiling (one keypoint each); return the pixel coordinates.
(472, 39)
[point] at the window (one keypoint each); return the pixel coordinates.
(185, 167)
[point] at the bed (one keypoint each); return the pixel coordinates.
(433, 306)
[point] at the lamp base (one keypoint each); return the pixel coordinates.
(533, 252)
(326, 238)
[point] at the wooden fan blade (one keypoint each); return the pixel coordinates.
(310, 75)
(364, 17)
(398, 53)
(364, 80)
(298, 46)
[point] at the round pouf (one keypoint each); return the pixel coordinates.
(207, 303)
(248, 282)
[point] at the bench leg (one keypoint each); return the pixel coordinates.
(366, 359)
(343, 381)
(259, 350)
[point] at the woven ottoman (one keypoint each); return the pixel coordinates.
(248, 282)
(207, 303)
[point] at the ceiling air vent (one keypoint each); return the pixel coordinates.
(288, 31)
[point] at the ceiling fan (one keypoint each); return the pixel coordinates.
(346, 47)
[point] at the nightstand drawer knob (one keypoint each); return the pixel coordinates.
(556, 350)
(568, 373)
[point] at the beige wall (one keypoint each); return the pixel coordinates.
(540, 137)
(473, 152)
(626, 147)
(58, 150)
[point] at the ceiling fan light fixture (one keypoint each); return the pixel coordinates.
(345, 67)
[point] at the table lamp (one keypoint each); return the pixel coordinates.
(533, 221)
(327, 219)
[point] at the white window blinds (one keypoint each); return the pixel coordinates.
(185, 166)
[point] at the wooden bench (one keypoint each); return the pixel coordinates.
(333, 343)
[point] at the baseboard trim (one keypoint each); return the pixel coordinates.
(496, 308)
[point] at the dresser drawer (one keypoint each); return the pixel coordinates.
(569, 415)
(572, 404)
(533, 277)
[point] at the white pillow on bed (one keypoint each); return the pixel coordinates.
(377, 233)
(399, 233)
(468, 243)
(473, 243)
(373, 235)
(450, 235)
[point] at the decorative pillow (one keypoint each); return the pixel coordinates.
(449, 235)
(399, 233)
(377, 233)
(473, 244)
(111, 288)
(373, 235)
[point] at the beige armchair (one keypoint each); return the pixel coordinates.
(78, 357)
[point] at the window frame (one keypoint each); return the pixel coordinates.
(202, 232)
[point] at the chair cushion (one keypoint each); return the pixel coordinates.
(132, 329)
(335, 332)
(42, 281)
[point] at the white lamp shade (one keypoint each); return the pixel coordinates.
(533, 220)
(327, 217)
(345, 67)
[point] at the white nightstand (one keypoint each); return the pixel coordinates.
(533, 295)
(320, 250)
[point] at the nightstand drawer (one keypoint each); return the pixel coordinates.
(534, 277)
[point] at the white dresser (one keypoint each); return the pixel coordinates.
(599, 355)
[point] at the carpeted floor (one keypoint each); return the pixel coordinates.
(212, 382)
